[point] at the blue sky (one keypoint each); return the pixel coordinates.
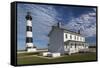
(45, 16)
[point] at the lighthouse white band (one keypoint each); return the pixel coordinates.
(28, 34)
(29, 23)
(29, 44)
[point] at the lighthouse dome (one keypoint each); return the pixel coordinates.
(28, 16)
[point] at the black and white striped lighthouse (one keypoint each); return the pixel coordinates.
(29, 38)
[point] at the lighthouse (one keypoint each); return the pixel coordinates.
(29, 38)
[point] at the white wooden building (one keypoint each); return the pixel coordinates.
(65, 41)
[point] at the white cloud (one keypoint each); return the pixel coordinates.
(87, 23)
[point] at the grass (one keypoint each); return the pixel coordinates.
(31, 59)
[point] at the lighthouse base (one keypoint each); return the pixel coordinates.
(31, 49)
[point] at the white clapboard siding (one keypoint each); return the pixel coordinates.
(78, 38)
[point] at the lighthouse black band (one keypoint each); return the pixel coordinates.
(29, 28)
(29, 39)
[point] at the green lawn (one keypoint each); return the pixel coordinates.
(29, 58)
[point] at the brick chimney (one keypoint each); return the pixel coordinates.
(59, 24)
(79, 32)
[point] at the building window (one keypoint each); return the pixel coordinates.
(75, 45)
(70, 36)
(82, 44)
(77, 37)
(80, 38)
(83, 39)
(66, 36)
(71, 45)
